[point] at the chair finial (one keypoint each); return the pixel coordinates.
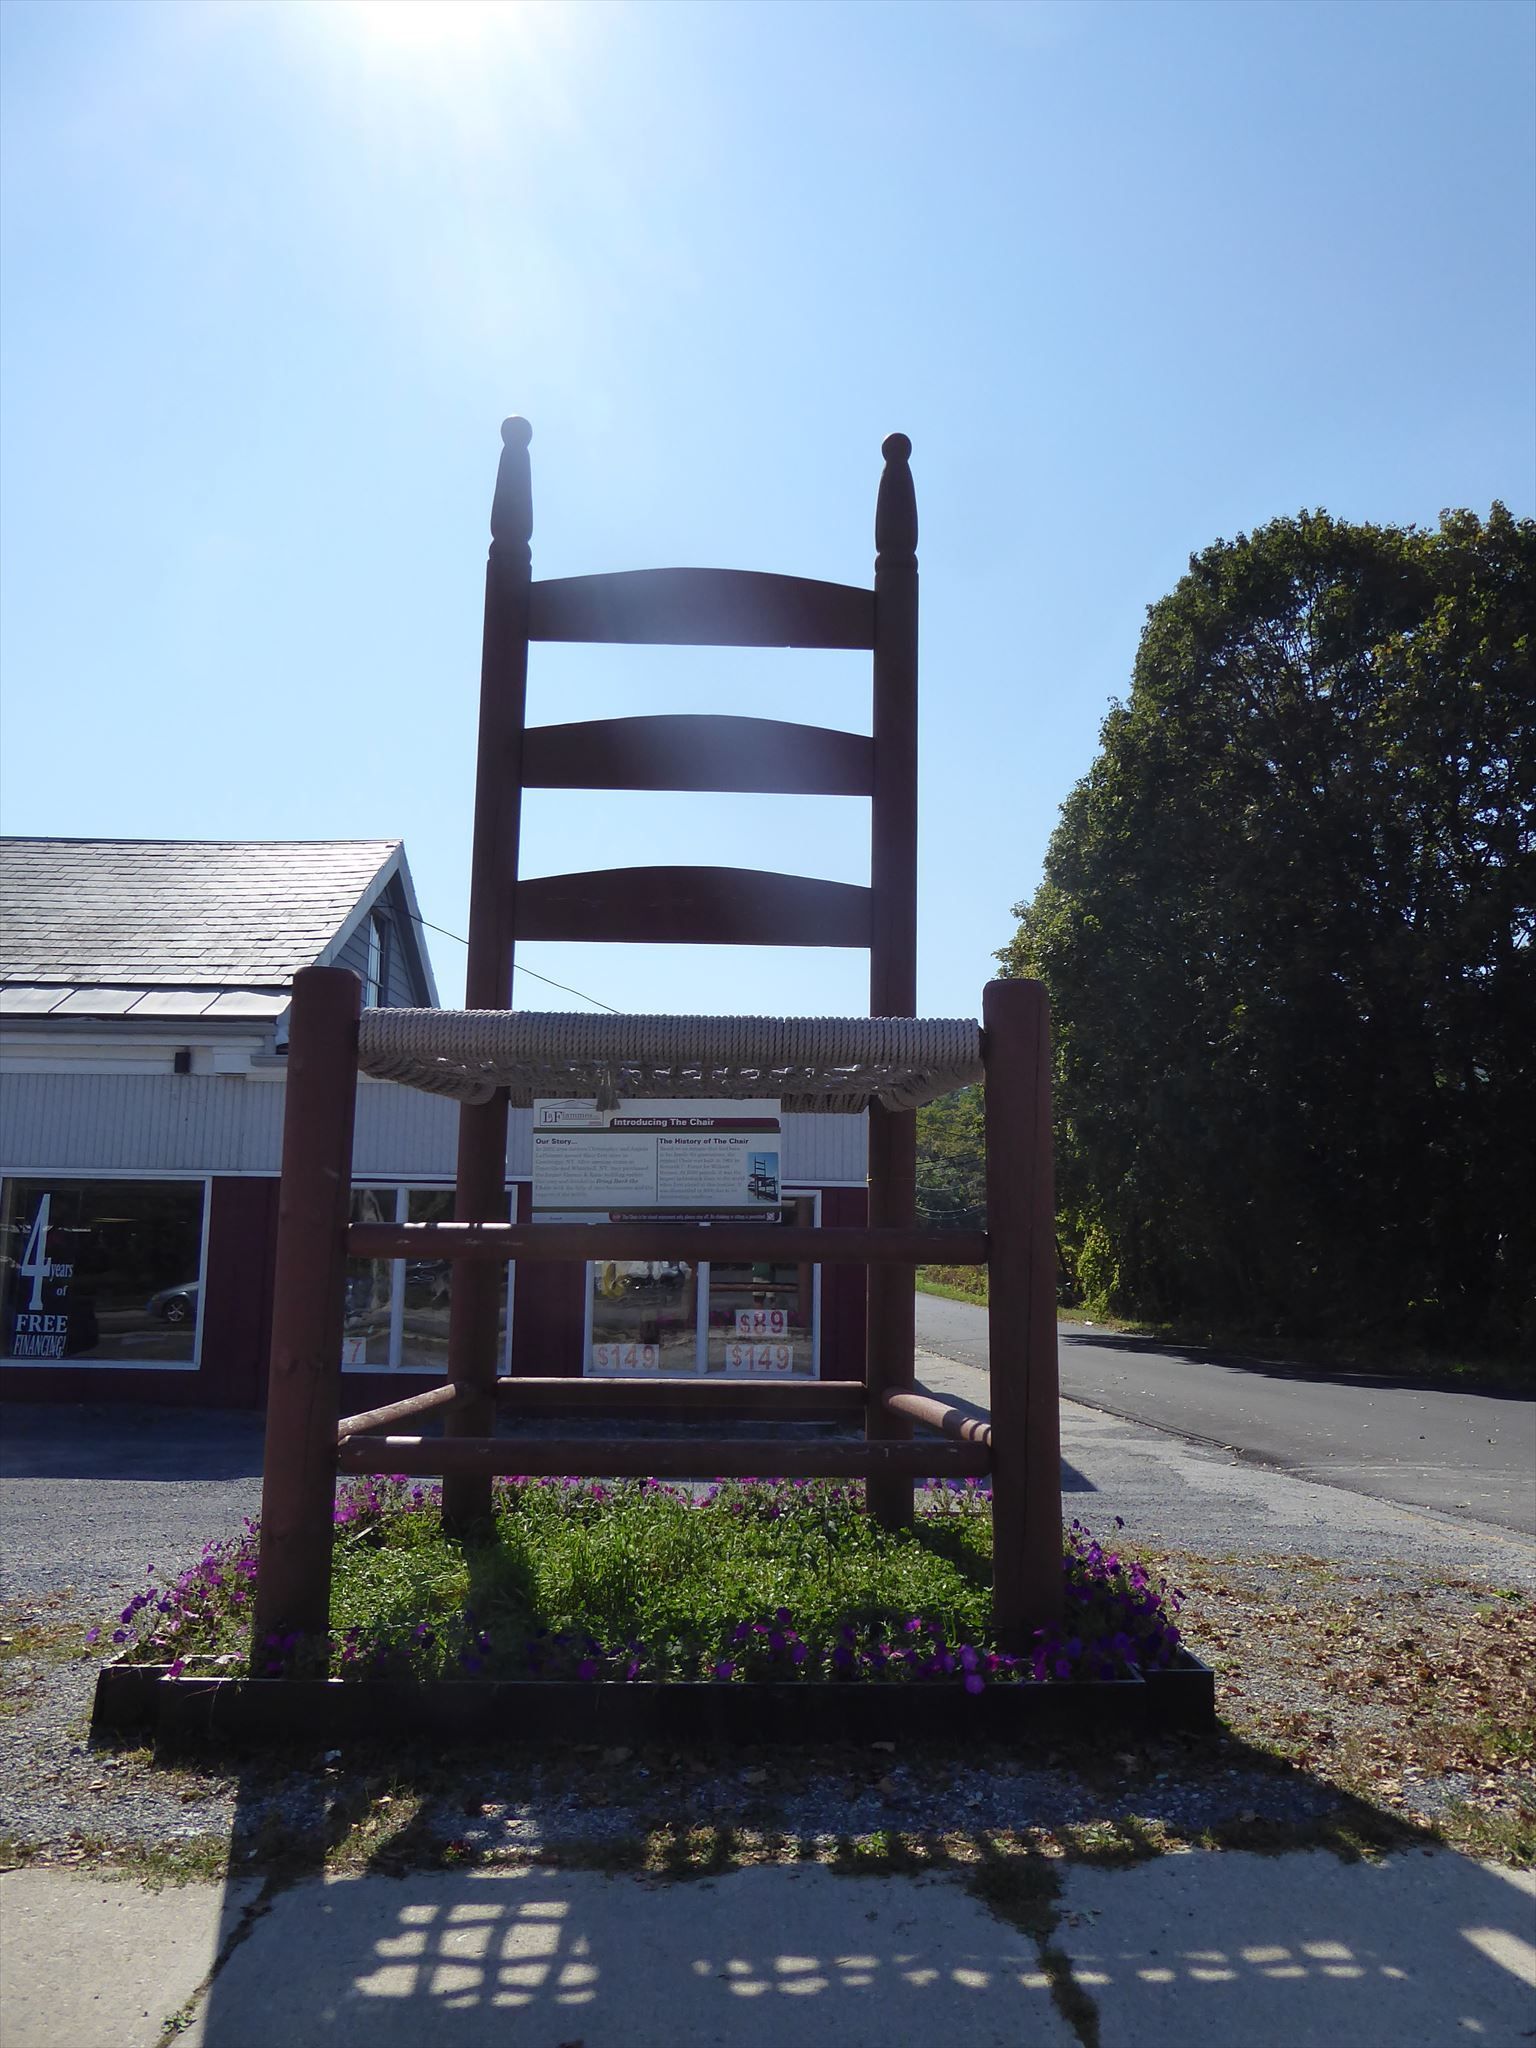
(512, 506)
(896, 506)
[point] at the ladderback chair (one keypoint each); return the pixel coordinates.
(701, 905)
(490, 1055)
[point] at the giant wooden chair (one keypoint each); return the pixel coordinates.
(489, 1057)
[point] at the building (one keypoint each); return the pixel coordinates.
(144, 989)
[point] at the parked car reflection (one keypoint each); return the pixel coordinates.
(175, 1304)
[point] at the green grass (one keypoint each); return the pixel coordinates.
(30, 1640)
(969, 1284)
(756, 1579)
(645, 1564)
(954, 1283)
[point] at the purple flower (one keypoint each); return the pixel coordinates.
(725, 1668)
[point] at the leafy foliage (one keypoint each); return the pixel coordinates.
(764, 1579)
(951, 1160)
(1286, 925)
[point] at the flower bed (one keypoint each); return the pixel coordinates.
(758, 1589)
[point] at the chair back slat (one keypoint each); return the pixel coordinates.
(702, 608)
(732, 756)
(693, 906)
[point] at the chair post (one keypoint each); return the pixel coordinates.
(474, 1315)
(293, 1587)
(1021, 1312)
(893, 953)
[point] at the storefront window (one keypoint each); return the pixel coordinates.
(101, 1271)
(367, 1331)
(762, 1317)
(397, 1309)
(428, 1288)
(747, 1322)
(644, 1317)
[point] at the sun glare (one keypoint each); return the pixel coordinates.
(430, 24)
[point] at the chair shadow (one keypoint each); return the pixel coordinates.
(655, 1929)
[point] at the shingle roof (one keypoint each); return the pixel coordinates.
(179, 914)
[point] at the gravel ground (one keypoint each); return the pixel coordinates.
(1344, 1631)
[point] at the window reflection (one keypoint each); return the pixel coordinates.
(397, 1310)
(101, 1270)
(644, 1317)
(762, 1317)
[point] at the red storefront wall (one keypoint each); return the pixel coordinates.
(547, 1319)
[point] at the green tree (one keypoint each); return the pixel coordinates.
(951, 1160)
(1287, 926)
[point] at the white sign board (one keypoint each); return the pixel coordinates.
(762, 1322)
(626, 1358)
(710, 1159)
(759, 1357)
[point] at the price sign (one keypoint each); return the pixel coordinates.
(759, 1357)
(762, 1322)
(626, 1358)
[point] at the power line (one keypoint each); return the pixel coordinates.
(596, 1001)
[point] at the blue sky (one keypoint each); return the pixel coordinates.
(1132, 277)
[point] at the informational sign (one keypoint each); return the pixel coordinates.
(695, 1161)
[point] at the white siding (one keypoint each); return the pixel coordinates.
(139, 1123)
(218, 1123)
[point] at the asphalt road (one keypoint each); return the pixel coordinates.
(1472, 1455)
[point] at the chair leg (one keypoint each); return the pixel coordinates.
(1021, 1315)
(474, 1315)
(293, 1587)
(891, 1306)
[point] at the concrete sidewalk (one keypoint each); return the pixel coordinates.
(1217, 1948)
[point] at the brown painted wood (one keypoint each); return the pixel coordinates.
(549, 1310)
(237, 1297)
(685, 906)
(782, 1400)
(475, 1309)
(844, 1310)
(293, 1589)
(733, 756)
(939, 1415)
(735, 1242)
(893, 943)
(397, 1411)
(658, 1457)
(1021, 1311)
(702, 608)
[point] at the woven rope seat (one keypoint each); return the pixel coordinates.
(826, 1064)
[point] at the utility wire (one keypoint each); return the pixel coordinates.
(517, 967)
